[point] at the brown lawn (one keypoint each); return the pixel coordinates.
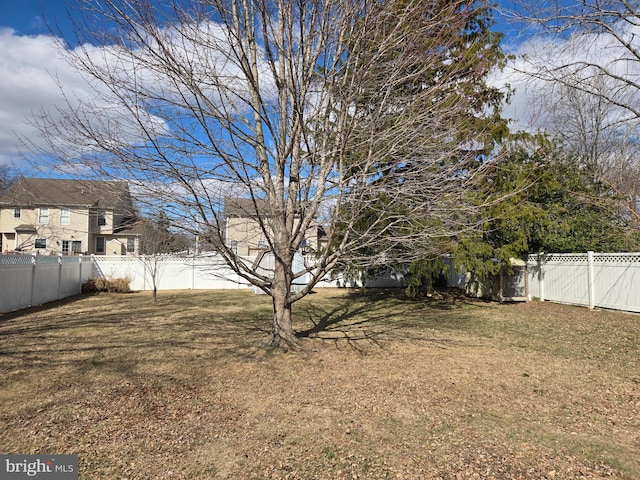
(443, 388)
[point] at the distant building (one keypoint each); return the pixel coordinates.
(53, 216)
(244, 234)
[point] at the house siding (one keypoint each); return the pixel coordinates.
(20, 234)
(248, 234)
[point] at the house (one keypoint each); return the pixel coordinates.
(243, 232)
(60, 216)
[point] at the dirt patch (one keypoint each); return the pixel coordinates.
(387, 388)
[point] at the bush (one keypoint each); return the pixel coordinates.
(111, 285)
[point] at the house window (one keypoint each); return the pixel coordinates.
(131, 245)
(102, 218)
(17, 212)
(43, 215)
(100, 245)
(71, 247)
(65, 216)
(262, 244)
(234, 246)
(41, 243)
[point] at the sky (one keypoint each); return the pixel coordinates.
(28, 61)
(32, 70)
(26, 16)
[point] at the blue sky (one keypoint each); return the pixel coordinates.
(29, 62)
(27, 17)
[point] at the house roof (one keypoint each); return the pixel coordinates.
(243, 207)
(29, 192)
(133, 226)
(246, 208)
(25, 228)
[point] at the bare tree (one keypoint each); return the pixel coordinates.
(199, 101)
(585, 57)
(601, 141)
(156, 241)
(7, 177)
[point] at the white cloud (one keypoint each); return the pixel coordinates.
(34, 68)
(27, 86)
(577, 56)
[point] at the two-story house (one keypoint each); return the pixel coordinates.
(243, 233)
(59, 216)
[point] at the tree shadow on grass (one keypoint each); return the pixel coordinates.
(368, 316)
(123, 333)
(21, 312)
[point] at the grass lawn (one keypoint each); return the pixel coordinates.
(386, 388)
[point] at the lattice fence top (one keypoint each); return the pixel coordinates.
(47, 259)
(584, 258)
(617, 257)
(119, 258)
(75, 259)
(560, 257)
(42, 259)
(165, 258)
(16, 259)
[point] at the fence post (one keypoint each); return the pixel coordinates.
(592, 286)
(540, 277)
(34, 261)
(80, 268)
(143, 258)
(59, 276)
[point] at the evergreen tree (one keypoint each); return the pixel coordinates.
(427, 195)
(545, 203)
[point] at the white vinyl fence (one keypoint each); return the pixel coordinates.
(170, 272)
(175, 272)
(27, 280)
(606, 280)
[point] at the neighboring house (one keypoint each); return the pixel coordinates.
(243, 233)
(52, 216)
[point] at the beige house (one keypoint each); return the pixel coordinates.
(243, 233)
(52, 216)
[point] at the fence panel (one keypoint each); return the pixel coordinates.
(216, 274)
(47, 280)
(566, 278)
(617, 281)
(172, 273)
(27, 280)
(70, 276)
(604, 280)
(16, 281)
(86, 269)
(120, 267)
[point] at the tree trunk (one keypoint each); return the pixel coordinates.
(282, 334)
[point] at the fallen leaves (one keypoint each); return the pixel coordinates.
(180, 394)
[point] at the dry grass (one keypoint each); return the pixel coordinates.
(388, 388)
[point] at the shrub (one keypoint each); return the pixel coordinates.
(111, 285)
